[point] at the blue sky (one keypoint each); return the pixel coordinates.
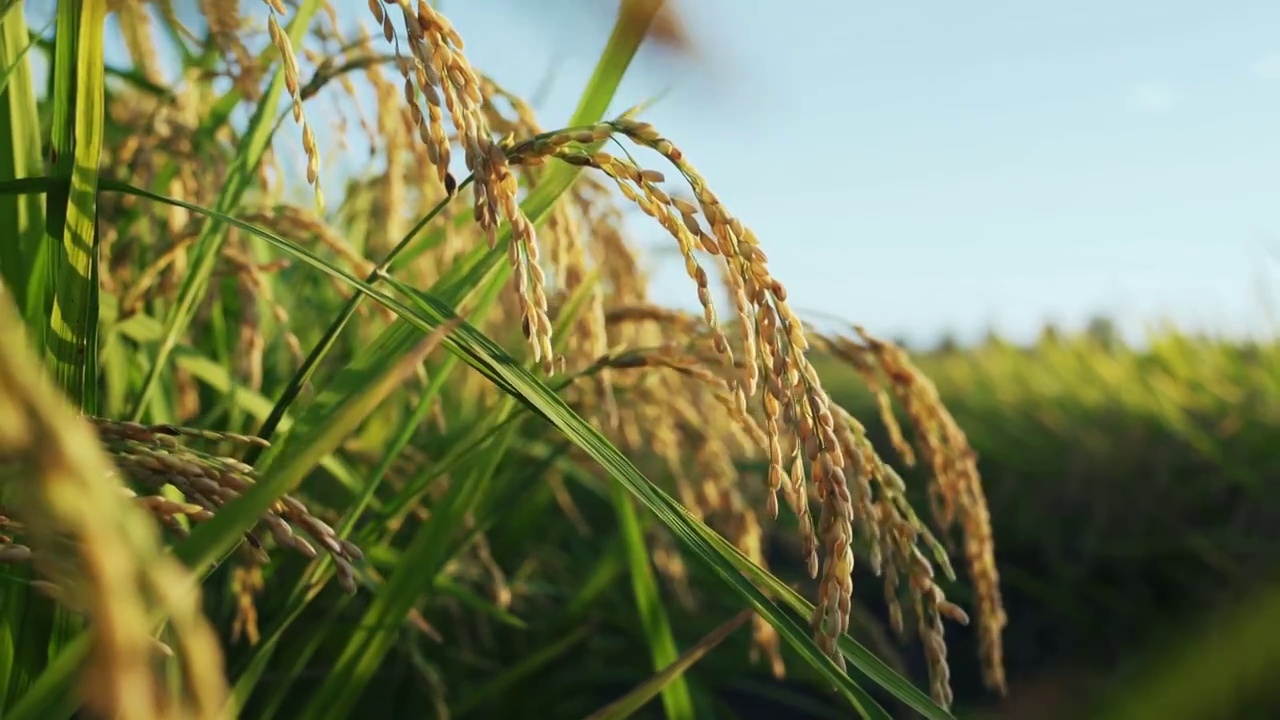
(923, 167)
(952, 168)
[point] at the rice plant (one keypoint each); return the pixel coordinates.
(450, 394)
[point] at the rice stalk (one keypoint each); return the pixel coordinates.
(101, 554)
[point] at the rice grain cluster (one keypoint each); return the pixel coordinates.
(724, 406)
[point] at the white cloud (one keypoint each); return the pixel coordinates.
(1153, 96)
(1267, 67)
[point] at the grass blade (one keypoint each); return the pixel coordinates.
(76, 142)
(627, 705)
(676, 699)
(23, 258)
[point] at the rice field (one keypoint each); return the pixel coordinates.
(421, 442)
(1132, 493)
